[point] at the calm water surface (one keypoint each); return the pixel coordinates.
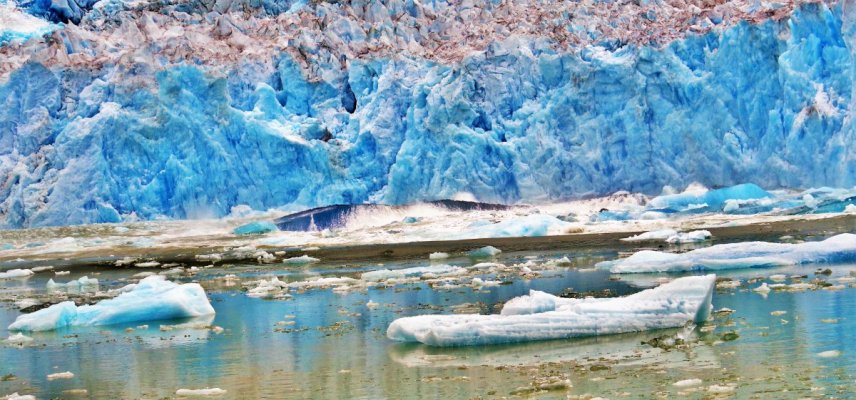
(336, 346)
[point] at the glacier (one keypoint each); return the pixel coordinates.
(837, 249)
(153, 298)
(141, 122)
(541, 316)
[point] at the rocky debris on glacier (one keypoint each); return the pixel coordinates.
(540, 316)
(837, 249)
(153, 298)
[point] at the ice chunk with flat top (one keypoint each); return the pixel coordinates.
(153, 298)
(16, 274)
(541, 316)
(837, 249)
(414, 272)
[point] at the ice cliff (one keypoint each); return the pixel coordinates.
(112, 110)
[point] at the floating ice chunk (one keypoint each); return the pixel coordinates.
(16, 274)
(268, 288)
(154, 298)
(147, 264)
(688, 382)
(530, 225)
(485, 252)
(715, 199)
(438, 256)
(432, 271)
(661, 234)
(689, 237)
(18, 339)
(16, 396)
(81, 285)
(60, 375)
(479, 282)
(850, 209)
(763, 289)
(42, 269)
(323, 282)
(371, 305)
(200, 392)
(256, 228)
(837, 249)
(215, 257)
(304, 259)
(829, 354)
(720, 389)
(670, 305)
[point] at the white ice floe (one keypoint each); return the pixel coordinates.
(16, 396)
(415, 272)
(485, 252)
(829, 354)
(80, 285)
(661, 234)
(438, 256)
(18, 339)
(304, 259)
(837, 249)
(200, 392)
(42, 269)
(541, 316)
(60, 375)
(152, 299)
(689, 237)
(16, 274)
(688, 382)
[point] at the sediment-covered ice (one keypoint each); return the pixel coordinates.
(837, 249)
(153, 298)
(540, 316)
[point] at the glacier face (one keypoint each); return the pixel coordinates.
(769, 103)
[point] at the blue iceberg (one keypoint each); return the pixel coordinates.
(255, 228)
(153, 298)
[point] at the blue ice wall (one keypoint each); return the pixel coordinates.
(768, 103)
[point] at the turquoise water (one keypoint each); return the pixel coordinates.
(336, 346)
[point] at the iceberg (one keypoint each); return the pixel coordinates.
(541, 316)
(153, 298)
(16, 274)
(255, 228)
(715, 200)
(485, 252)
(837, 249)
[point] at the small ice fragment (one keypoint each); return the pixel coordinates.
(689, 237)
(688, 382)
(256, 228)
(661, 234)
(16, 396)
(438, 256)
(18, 339)
(485, 252)
(143, 274)
(720, 389)
(60, 273)
(200, 392)
(41, 269)
(16, 274)
(764, 289)
(371, 305)
(778, 313)
(829, 354)
(217, 329)
(478, 282)
(147, 264)
(304, 259)
(61, 375)
(778, 278)
(213, 258)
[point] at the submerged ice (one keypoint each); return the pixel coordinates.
(153, 298)
(541, 316)
(837, 249)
